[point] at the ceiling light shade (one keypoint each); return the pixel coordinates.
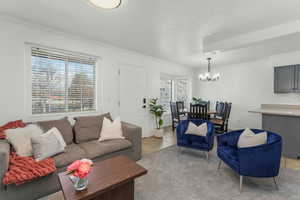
(107, 4)
(208, 76)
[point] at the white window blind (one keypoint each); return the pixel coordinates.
(62, 82)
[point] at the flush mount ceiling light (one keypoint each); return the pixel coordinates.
(208, 76)
(107, 4)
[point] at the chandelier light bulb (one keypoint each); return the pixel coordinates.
(106, 4)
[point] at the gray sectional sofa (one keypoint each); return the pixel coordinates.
(81, 142)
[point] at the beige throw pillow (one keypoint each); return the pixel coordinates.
(111, 129)
(249, 139)
(58, 135)
(47, 144)
(193, 129)
(20, 138)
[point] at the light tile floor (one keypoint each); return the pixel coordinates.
(153, 144)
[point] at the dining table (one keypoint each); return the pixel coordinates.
(211, 112)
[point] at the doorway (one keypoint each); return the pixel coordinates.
(133, 103)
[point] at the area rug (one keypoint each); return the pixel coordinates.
(183, 174)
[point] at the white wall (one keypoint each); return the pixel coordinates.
(247, 86)
(15, 33)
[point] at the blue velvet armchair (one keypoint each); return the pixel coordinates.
(258, 161)
(194, 141)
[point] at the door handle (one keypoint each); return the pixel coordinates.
(144, 103)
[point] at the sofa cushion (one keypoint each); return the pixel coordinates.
(95, 148)
(196, 139)
(63, 125)
(88, 128)
(72, 152)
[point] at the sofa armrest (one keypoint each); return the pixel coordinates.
(4, 158)
(260, 161)
(229, 139)
(222, 139)
(133, 133)
(181, 128)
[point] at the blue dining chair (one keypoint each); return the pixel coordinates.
(262, 161)
(195, 141)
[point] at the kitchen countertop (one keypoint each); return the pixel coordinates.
(278, 109)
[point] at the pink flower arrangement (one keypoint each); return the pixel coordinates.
(80, 168)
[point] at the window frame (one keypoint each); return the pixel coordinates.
(172, 92)
(173, 79)
(189, 88)
(28, 86)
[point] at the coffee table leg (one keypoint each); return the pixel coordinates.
(122, 192)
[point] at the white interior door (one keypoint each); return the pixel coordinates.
(133, 87)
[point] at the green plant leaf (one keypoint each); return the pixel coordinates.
(161, 122)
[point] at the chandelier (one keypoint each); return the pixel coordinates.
(106, 4)
(208, 76)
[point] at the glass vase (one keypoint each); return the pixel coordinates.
(80, 183)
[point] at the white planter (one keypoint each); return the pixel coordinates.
(158, 133)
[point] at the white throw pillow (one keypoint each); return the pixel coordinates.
(48, 144)
(111, 130)
(193, 129)
(58, 135)
(249, 139)
(20, 138)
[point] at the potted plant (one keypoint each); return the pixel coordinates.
(196, 100)
(157, 110)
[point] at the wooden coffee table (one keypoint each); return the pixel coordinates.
(111, 179)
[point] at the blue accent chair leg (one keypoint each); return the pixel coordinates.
(219, 165)
(276, 186)
(241, 183)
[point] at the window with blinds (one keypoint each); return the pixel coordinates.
(62, 82)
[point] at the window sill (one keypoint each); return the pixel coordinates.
(36, 117)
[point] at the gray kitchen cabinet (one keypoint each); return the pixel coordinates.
(288, 128)
(297, 79)
(284, 79)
